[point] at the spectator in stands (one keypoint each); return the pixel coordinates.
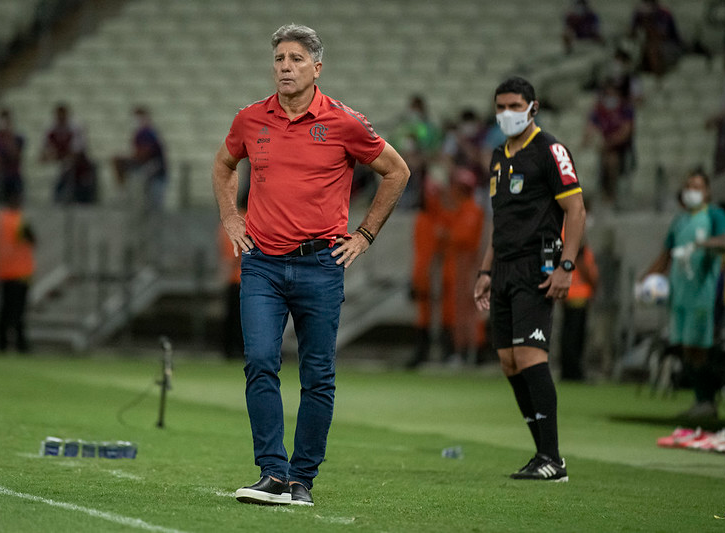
(621, 72)
(463, 142)
(612, 121)
(17, 265)
(584, 282)
(417, 138)
(65, 144)
(654, 26)
(717, 122)
(147, 161)
(11, 157)
(691, 255)
(581, 23)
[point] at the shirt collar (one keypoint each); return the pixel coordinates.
(526, 143)
(273, 105)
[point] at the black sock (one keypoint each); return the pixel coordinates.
(543, 399)
(523, 399)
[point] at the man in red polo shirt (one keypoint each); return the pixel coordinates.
(302, 146)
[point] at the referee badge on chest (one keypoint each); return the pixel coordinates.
(516, 183)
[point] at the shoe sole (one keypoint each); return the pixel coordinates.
(299, 502)
(263, 498)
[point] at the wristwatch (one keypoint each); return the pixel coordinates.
(567, 265)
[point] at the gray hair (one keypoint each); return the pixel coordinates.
(307, 37)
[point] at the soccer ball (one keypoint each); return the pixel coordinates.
(654, 290)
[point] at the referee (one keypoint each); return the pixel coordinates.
(534, 192)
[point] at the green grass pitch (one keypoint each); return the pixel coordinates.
(383, 472)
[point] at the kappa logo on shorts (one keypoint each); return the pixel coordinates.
(538, 335)
(564, 163)
(319, 132)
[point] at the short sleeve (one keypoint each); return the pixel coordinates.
(361, 141)
(560, 171)
(235, 137)
(718, 220)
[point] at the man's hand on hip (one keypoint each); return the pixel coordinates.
(350, 249)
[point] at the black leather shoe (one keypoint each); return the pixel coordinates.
(300, 495)
(265, 491)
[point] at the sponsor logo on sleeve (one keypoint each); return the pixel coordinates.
(564, 164)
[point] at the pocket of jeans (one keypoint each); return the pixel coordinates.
(325, 259)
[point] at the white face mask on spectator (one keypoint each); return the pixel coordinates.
(512, 123)
(693, 198)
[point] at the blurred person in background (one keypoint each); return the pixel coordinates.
(463, 222)
(17, 265)
(463, 142)
(65, 145)
(146, 162)
(230, 272)
(11, 157)
(584, 282)
(654, 27)
(581, 23)
(535, 193)
(427, 246)
(303, 146)
(611, 122)
(417, 139)
(692, 256)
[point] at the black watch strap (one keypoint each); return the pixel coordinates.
(567, 265)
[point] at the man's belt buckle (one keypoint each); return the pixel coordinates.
(307, 248)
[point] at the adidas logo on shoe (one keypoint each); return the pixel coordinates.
(543, 468)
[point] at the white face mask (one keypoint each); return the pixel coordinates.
(512, 123)
(692, 198)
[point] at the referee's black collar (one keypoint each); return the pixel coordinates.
(528, 141)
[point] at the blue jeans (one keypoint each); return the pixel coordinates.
(310, 288)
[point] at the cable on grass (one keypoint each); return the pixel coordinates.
(134, 402)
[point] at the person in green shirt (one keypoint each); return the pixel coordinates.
(692, 256)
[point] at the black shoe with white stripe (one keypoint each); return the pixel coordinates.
(543, 468)
(266, 491)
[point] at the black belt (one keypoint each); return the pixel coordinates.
(308, 247)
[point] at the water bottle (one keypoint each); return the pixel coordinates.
(71, 448)
(120, 449)
(51, 446)
(454, 452)
(88, 449)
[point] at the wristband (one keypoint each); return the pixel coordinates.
(365, 233)
(483, 273)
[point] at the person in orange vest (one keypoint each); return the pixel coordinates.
(584, 281)
(426, 249)
(230, 272)
(17, 264)
(463, 220)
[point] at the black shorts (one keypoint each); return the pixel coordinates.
(521, 314)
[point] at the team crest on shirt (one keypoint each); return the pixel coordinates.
(516, 183)
(319, 132)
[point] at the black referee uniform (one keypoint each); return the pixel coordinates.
(524, 192)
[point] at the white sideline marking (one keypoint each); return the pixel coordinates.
(124, 475)
(111, 517)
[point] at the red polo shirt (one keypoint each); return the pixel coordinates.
(301, 169)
